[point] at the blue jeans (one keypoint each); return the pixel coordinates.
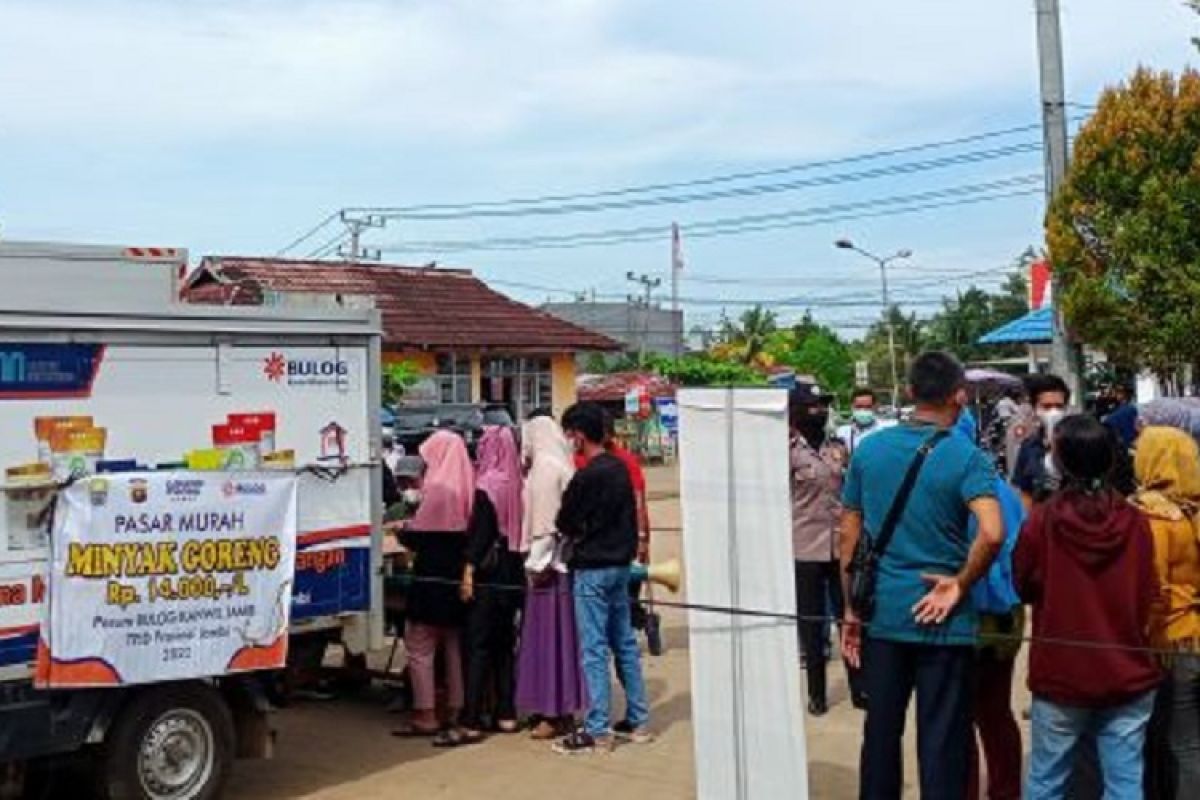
(1120, 734)
(602, 615)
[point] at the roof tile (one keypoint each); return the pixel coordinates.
(421, 306)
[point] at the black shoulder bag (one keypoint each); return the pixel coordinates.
(863, 571)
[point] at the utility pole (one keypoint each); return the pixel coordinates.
(1064, 355)
(648, 285)
(846, 244)
(676, 268)
(355, 225)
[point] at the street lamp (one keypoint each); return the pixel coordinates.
(846, 244)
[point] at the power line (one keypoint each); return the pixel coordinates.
(962, 195)
(526, 205)
(311, 232)
(329, 247)
(754, 190)
(717, 280)
(721, 280)
(740, 230)
(838, 300)
(871, 215)
(706, 181)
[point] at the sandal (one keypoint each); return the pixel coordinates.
(457, 737)
(508, 726)
(411, 731)
(544, 731)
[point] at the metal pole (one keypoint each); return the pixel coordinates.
(676, 316)
(648, 286)
(891, 324)
(846, 244)
(355, 225)
(646, 321)
(642, 331)
(355, 233)
(1064, 355)
(630, 304)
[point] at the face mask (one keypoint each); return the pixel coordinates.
(1051, 467)
(1050, 420)
(412, 497)
(864, 417)
(813, 423)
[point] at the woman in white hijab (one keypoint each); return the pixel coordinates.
(550, 681)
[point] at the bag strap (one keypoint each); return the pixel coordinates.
(892, 520)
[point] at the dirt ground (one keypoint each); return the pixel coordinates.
(342, 749)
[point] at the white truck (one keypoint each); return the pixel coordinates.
(99, 332)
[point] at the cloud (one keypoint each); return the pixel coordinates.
(229, 124)
(453, 69)
(762, 79)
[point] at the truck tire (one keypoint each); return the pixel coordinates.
(173, 742)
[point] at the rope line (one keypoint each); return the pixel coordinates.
(791, 618)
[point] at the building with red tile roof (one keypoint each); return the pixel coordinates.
(472, 343)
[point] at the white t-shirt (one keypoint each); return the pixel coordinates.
(852, 434)
(1007, 408)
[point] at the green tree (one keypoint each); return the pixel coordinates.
(398, 378)
(1012, 301)
(814, 349)
(968, 316)
(747, 338)
(910, 341)
(704, 370)
(1124, 231)
(1195, 6)
(605, 363)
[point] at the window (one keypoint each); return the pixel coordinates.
(454, 378)
(521, 384)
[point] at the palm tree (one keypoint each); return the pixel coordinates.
(757, 325)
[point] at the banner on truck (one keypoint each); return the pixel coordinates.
(168, 576)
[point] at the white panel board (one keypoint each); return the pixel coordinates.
(746, 707)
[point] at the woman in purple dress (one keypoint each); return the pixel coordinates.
(549, 672)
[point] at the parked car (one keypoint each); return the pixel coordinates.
(387, 421)
(498, 415)
(415, 424)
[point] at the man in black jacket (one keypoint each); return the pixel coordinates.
(599, 521)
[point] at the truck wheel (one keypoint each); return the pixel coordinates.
(170, 743)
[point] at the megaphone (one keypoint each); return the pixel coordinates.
(667, 574)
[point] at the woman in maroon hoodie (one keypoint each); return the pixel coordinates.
(1085, 563)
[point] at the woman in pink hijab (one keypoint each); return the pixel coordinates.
(492, 586)
(435, 613)
(448, 490)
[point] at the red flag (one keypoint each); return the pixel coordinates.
(1039, 284)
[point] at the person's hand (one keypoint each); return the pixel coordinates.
(945, 593)
(466, 590)
(851, 636)
(395, 526)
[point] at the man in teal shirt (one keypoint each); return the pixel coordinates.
(924, 628)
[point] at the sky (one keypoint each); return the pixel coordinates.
(234, 126)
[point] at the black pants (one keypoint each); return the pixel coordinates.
(491, 655)
(941, 677)
(819, 595)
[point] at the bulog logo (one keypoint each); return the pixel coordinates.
(306, 371)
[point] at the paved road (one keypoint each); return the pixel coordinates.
(342, 750)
